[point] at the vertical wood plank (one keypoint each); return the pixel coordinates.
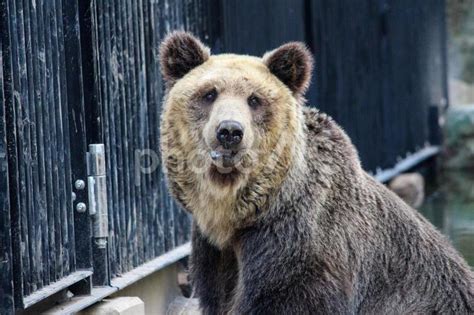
(6, 259)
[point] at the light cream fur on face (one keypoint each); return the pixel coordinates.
(219, 210)
(229, 107)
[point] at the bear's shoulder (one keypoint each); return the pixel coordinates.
(328, 143)
(321, 126)
(315, 120)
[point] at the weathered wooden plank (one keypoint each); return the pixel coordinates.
(125, 17)
(97, 24)
(112, 191)
(151, 266)
(6, 258)
(44, 125)
(138, 108)
(58, 148)
(65, 191)
(144, 138)
(33, 177)
(22, 124)
(52, 95)
(115, 29)
(55, 287)
(151, 191)
(37, 63)
(156, 91)
(79, 303)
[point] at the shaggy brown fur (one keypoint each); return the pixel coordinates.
(304, 230)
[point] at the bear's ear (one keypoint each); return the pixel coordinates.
(180, 52)
(292, 63)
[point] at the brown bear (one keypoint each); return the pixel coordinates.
(285, 219)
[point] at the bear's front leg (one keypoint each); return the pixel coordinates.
(280, 273)
(213, 274)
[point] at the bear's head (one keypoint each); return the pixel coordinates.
(232, 125)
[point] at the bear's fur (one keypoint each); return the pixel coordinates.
(294, 225)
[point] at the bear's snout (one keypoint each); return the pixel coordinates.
(229, 133)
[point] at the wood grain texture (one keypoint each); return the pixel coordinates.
(6, 259)
(37, 79)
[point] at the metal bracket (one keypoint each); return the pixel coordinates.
(97, 188)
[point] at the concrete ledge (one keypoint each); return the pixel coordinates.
(123, 305)
(157, 291)
(184, 306)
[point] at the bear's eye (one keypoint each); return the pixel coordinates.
(210, 96)
(253, 101)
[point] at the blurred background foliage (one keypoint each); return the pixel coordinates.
(461, 50)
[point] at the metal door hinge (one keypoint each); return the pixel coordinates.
(97, 189)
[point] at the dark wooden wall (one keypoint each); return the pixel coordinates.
(35, 100)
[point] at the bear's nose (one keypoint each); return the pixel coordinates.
(229, 133)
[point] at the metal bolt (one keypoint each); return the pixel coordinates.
(80, 184)
(81, 207)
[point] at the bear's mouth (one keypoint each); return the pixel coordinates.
(224, 167)
(224, 158)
